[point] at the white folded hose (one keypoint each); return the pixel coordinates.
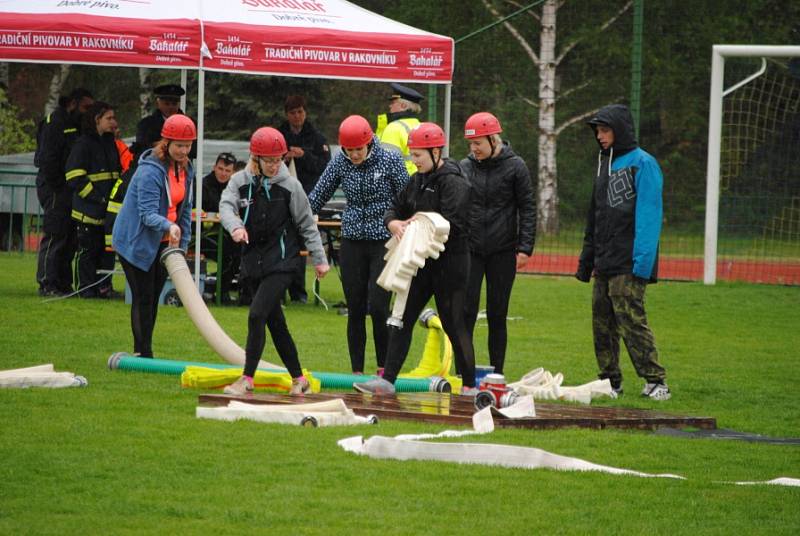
(175, 262)
(39, 376)
(423, 238)
(543, 385)
(328, 413)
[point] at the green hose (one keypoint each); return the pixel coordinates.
(329, 380)
(338, 380)
(123, 361)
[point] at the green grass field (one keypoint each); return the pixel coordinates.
(127, 455)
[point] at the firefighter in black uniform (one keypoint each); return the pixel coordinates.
(148, 131)
(57, 133)
(93, 168)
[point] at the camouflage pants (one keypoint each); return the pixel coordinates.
(618, 310)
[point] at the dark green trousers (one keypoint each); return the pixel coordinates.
(618, 310)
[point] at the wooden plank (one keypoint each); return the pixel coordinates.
(444, 408)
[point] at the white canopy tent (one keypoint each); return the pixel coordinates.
(304, 38)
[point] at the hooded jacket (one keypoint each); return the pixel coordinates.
(445, 191)
(503, 212)
(624, 220)
(368, 188)
(142, 220)
(275, 213)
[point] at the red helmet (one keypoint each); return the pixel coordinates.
(179, 127)
(266, 141)
(481, 124)
(354, 132)
(426, 136)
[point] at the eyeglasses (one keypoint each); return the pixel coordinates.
(271, 161)
(227, 158)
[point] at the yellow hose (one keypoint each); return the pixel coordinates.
(437, 356)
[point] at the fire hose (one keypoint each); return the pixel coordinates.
(175, 262)
(423, 238)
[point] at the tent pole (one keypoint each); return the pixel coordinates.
(198, 178)
(183, 85)
(447, 95)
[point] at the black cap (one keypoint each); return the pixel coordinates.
(403, 92)
(595, 120)
(169, 90)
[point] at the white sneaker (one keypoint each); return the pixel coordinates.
(240, 387)
(657, 391)
(468, 391)
(300, 386)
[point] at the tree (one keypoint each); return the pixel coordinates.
(547, 63)
(56, 87)
(13, 131)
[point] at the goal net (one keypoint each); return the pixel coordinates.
(758, 228)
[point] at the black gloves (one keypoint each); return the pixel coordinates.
(584, 273)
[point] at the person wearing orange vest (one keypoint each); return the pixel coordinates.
(156, 213)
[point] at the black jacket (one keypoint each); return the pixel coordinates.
(445, 191)
(148, 131)
(316, 153)
(60, 131)
(503, 210)
(93, 169)
(623, 223)
(212, 192)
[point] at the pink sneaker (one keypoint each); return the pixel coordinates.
(240, 387)
(300, 386)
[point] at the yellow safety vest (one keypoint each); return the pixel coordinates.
(395, 138)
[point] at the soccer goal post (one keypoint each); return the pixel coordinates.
(713, 183)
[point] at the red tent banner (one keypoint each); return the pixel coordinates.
(147, 33)
(322, 38)
(308, 38)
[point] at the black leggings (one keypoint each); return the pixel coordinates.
(265, 310)
(362, 262)
(445, 279)
(145, 289)
(500, 269)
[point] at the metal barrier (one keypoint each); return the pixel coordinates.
(20, 212)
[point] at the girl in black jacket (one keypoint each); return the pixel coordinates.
(438, 186)
(92, 170)
(502, 223)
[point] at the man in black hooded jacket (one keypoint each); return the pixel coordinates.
(620, 247)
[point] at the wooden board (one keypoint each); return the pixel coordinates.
(444, 408)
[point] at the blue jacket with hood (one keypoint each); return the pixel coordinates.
(624, 220)
(142, 220)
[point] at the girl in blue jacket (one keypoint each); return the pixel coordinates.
(156, 213)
